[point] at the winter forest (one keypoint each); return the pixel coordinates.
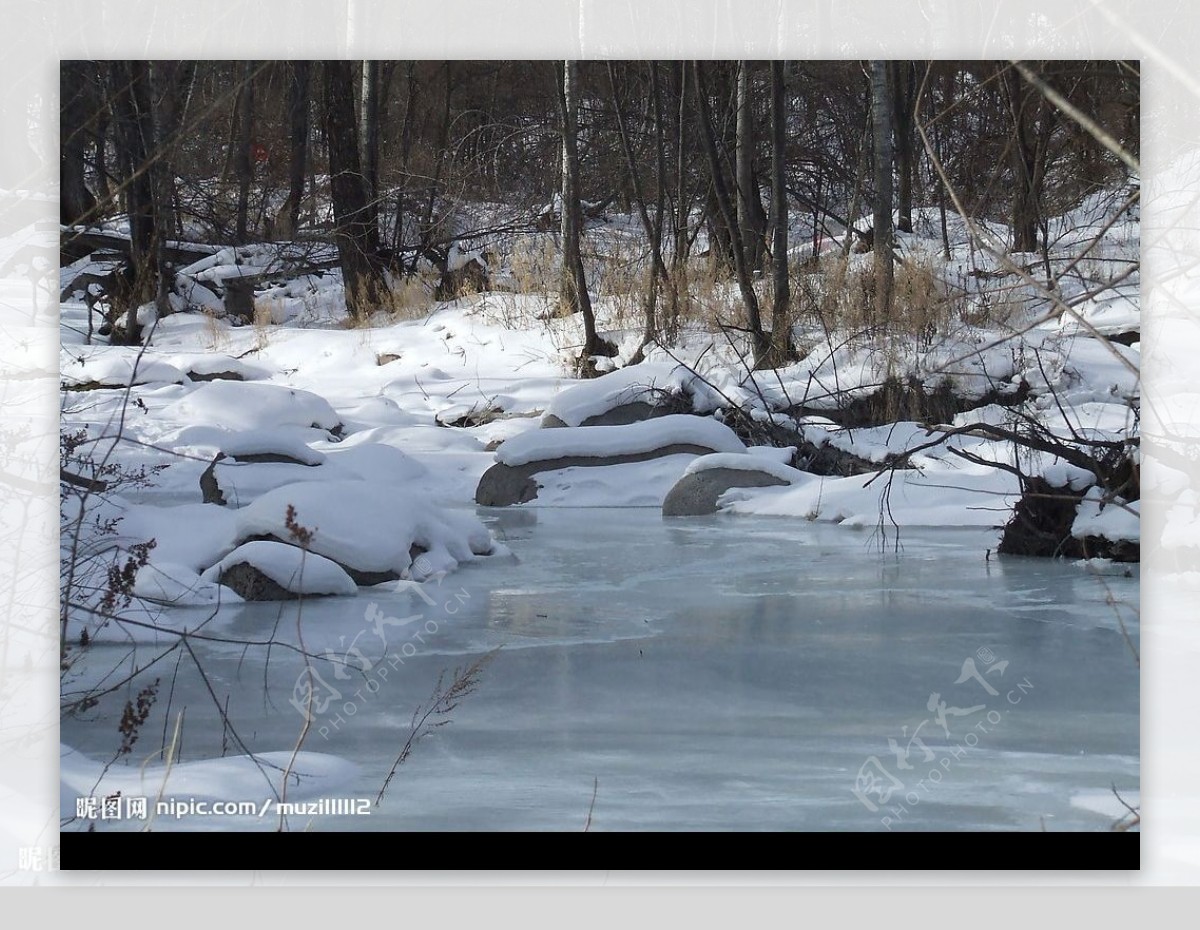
(599, 445)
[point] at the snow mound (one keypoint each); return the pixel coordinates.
(116, 366)
(370, 527)
(281, 441)
(746, 463)
(241, 405)
(1116, 521)
(1109, 313)
(631, 439)
(645, 383)
(290, 567)
(179, 586)
(203, 365)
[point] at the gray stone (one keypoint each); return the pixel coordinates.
(216, 376)
(208, 483)
(624, 414)
(252, 585)
(505, 485)
(696, 494)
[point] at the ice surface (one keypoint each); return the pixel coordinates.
(715, 675)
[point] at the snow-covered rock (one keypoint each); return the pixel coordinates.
(179, 586)
(627, 395)
(710, 476)
(610, 441)
(510, 480)
(241, 405)
(375, 531)
(115, 366)
(268, 571)
(281, 444)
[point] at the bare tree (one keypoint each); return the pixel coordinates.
(781, 342)
(299, 76)
(759, 340)
(751, 218)
(904, 97)
(573, 294)
(881, 116)
(77, 203)
(1030, 136)
(356, 235)
(243, 166)
(370, 135)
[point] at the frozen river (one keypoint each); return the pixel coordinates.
(703, 674)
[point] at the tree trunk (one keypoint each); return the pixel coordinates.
(1022, 104)
(882, 231)
(300, 73)
(751, 218)
(356, 236)
(134, 129)
(243, 167)
(781, 341)
(573, 293)
(904, 93)
(77, 204)
(651, 228)
(680, 253)
(370, 136)
(760, 343)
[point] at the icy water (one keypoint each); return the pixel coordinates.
(702, 674)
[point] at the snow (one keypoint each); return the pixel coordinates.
(209, 363)
(253, 405)
(1060, 474)
(635, 438)
(278, 441)
(1115, 520)
(178, 585)
(191, 535)
(115, 366)
(944, 494)
(632, 484)
(747, 463)
(369, 526)
(646, 382)
(394, 482)
(290, 567)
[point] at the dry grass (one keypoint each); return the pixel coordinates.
(536, 265)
